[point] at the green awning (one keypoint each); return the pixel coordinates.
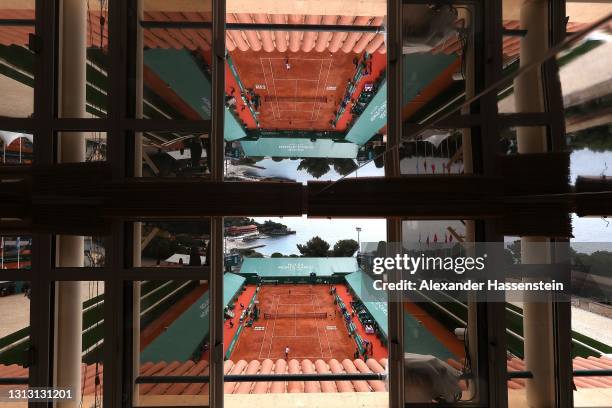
(420, 71)
(302, 148)
(298, 267)
(374, 300)
(183, 337)
(231, 284)
(183, 74)
(419, 340)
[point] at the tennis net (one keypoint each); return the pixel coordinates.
(311, 315)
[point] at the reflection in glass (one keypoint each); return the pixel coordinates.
(14, 333)
(88, 52)
(173, 340)
(591, 311)
(175, 154)
(433, 151)
(175, 243)
(17, 61)
(17, 148)
(15, 252)
(304, 103)
(436, 335)
(92, 294)
(176, 61)
(93, 255)
(92, 144)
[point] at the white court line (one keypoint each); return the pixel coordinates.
(297, 337)
(264, 339)
(266, 334)
(326, 79)
(328, 343)
(268, 87)
(317, 89)
(317, 326)
(274, 85)
(296, 79)
(300, 59)
(274, 326)
(296, 94)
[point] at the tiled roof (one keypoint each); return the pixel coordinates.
(268, 41)
(296, 367)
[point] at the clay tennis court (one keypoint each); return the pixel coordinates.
(300, 91)
(303, 318)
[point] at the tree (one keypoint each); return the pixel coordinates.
(277, 255)
(345, 247)
(315, 247)
(315, 166)
(344, 166)
(515, 251)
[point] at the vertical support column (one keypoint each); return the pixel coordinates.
(538, 332)
(137, 226)
(215, 248)
(392, 169)
(70, 249)
(68, 340)
(468, 168)
(528, 90)
(537, 316)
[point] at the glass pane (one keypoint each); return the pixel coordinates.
(433, 151)
(16, 60)
(172, 340)
(86, 51)
(85, 298)
(175, 154)
(294, 305)
(92, 254)
(586, 81)
(303, 103)
(17, 148)
(91, 146)
(174, 243)
(14, 336)
(440, 345)
(15, 252)
(176, 67)
(592, 310)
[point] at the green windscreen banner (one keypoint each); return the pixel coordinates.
(231, 285)
(375, 301)
(302, 148)
(373, 118)
(298, 267)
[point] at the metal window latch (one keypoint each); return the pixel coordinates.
(35, 43)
